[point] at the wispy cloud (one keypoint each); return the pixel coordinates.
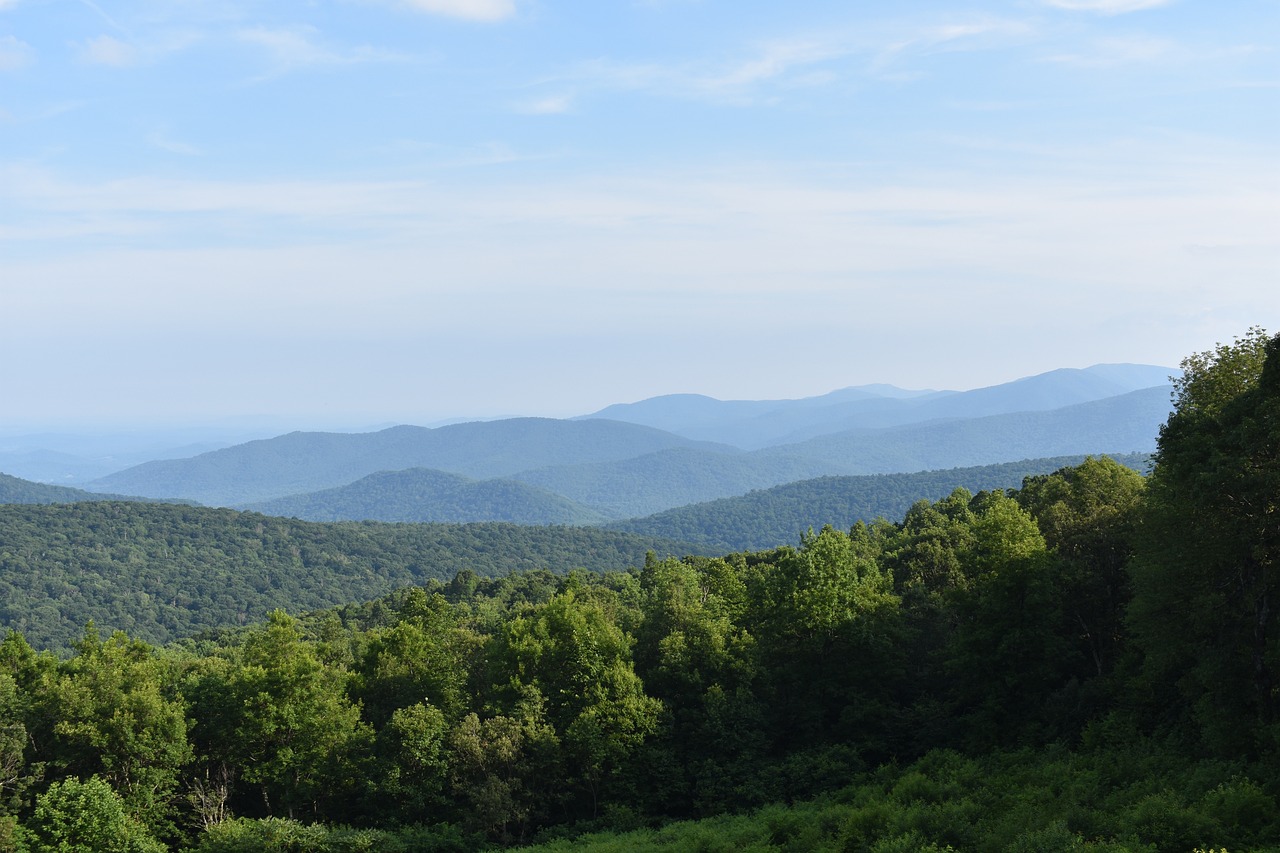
(109, 51)
(763, 72)
(791, 63)
(1107, 7)
(550, 105)
(164, 142)
(469, 10)
(1111, 52)
(14, 53)
(115, 25)
(299, 47)
(970, 35)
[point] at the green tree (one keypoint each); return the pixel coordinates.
(275, 717)
(1088, 515)
(1206, 583)
(504, 770)
(826, 620)
(569, 654)
(119, 717)
(86, 817)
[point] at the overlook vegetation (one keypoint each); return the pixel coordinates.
(1085, 662)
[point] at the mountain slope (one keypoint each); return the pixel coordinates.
(422, 494)
(161, 571)
(669, 478)
(757, 424)
(305, 462)
(1127, 423)
(14, 490)
(777, 516)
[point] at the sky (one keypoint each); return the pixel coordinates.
(345, 212)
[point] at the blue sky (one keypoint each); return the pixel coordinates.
(361, 211)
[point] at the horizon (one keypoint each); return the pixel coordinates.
(414, 211)
(266, 425)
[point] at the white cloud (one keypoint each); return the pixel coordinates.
(297, 47)
(550, 105)
(1107, 7)
(974, 35)
(1110, 52)
(14, 53)
(470, 10)
(110, 51)
(165, 143)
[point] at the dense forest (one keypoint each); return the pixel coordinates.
(768, 518)
(160, 572)
(1086, 662)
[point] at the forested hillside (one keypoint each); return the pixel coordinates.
(420, 495)
(14, 490)
(1083, 663)
(161, 572)
(670, 478)
(1127, 423)
(772, 517)
(304, 462)
(754, 424)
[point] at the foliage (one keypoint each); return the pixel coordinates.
(85, 817)
(419, 495)
(1206, 586)
(777, 516)
(160, 572)
(1082, 663)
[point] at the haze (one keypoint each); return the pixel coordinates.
(374, 212)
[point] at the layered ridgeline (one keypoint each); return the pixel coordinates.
(754, 424)
(15, 490)
(421, 494)
(1086, 663)
(645, 485)
(615, 470)
(779, 516)
(162, 571)
(309, 461)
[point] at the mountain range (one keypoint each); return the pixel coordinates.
(635, 460)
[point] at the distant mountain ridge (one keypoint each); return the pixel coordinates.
(426, 495)
(752, 424)
(778, 516)
(15, 490)
(1126, 423)
(593, 468)
(304, 462)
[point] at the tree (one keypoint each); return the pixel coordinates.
(1088, 515)
(568, 654)
(1206, 580)
(826, 619)
(86, 817)
(118, 716)
(276, 717)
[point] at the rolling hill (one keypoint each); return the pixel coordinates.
(422, 494)
(754, 424)
(669, 478)
(1126, 423)
(777, 516)
(305, 462)
(161, 571)
(14, 490)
